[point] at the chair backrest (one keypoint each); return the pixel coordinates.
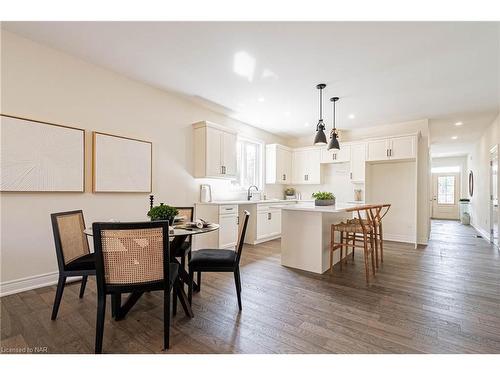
(186, 212)
(241, 237)
(70, 241)
(131, 253)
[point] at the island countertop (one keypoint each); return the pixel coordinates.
(337, 208)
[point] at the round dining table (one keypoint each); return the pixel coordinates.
(178, 235)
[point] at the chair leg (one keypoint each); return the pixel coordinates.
(372, 252)
(183, 262)
(190, 289)
(332, 243)
(101, 312)
(166, 317)
(174, 300)
(82, 287)
(353, 244)
(381, 243)
(365, 253)
(237, 282)
(341, 249)
(59, 292)
(375, 241)
(116, 302)
(198, 281)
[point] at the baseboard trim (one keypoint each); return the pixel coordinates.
(32, 282)
(482, 232)
(398, 238)
(256, 242)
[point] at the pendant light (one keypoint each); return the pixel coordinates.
(320, 138)
(334, 142)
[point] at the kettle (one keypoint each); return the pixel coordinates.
(205, 193)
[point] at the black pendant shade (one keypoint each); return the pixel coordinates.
(320, 138)
(334, 142)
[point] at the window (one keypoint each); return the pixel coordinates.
(249, 167)
(446, 190)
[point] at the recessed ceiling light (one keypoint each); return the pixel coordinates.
(459, 123)
(261, 99)
(244, 65)
(287, 114)
(306, 124)
(454, 137)
(351, 116)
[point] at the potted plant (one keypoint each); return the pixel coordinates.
(323, 198)
(163, 212)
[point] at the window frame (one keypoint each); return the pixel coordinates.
(260, 163)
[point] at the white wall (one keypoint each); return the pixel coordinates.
(45, 84)
(478, 163)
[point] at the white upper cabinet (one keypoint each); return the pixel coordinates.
(306, 166)
(278, 164)
(392, 148)
(378, 150)
(214, 151)
(403, 147)
(336, 156)
(358, 159)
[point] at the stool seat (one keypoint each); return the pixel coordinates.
(353, 227)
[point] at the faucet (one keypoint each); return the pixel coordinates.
(249, 196)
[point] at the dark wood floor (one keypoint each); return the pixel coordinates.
(443, 298)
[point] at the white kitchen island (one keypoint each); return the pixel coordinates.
(305, 234)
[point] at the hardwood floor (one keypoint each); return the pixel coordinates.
(442, 298)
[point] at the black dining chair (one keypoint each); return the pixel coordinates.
(72, 250)
(133, 258)
(219, 260)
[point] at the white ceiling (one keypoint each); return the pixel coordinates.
(383, 72)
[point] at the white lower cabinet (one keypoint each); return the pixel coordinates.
(228, 231)
(268, 223)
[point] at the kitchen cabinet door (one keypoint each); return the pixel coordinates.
(213, 152)
(299, 160)
(275, 222)
(263, 229)
(378, 150)
(403, 148)
(343, 155)
(313, 166)
(358, 159)
(284, 166)
(228, 231)
(229, 154)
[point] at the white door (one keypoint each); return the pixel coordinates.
(229, 154)
(228, 231)
(358, 156)
(378, 150)
(494, 196)
(402, 147)
(446, 190)
(214, 157)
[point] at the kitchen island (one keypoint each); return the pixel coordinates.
(305, 234)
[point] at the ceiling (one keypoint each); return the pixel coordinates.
(265, 73)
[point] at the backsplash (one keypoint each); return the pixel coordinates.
(223, 190)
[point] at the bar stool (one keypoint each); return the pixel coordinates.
(361, 229)
(376, 213)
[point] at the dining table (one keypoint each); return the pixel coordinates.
(177, 236)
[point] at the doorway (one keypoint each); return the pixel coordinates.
(494, 195)
(446, 190)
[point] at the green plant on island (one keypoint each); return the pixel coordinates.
(163, 212)
(323, 196)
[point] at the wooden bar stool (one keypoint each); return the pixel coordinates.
(375, 213)
(361, 229)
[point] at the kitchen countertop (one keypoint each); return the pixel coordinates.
(251, 202)
(339, 207)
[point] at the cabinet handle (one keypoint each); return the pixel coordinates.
(268, 216)
(387, 152)
(284, 177)
(237, 220)
(390, 152)
(351, 175)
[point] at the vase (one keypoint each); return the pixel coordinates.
(324, 202)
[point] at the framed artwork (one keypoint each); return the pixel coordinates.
(121, 164)
(38, 156)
